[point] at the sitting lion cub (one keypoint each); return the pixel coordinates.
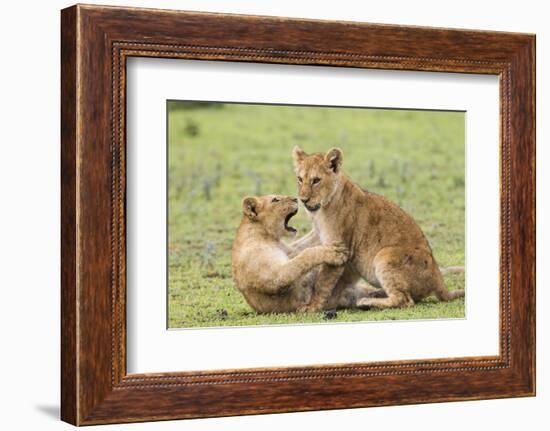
(387, 247)
(265, 269)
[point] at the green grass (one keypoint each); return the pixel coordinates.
(220, 153)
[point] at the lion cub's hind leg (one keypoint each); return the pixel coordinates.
(349, 291)
(396, 277)
(397, 297)
(365, 290)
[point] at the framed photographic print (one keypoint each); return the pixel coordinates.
(266, 215)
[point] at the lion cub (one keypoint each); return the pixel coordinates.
(387, 247)
(271, 280)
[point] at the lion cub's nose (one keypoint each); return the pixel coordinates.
(295, 200)
(305, 201)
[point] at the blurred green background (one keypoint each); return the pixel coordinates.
(218, 153)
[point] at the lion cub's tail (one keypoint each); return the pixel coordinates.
(442, 293)
(446, 295)
(451, 269)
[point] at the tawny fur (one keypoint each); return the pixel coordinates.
(271, 276)
(387, 247)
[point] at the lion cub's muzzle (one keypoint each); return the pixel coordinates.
(312, 208)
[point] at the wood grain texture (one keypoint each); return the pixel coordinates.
(96, 41)
(69, 367)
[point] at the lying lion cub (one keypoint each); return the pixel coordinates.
(272, 278)
(387, 247)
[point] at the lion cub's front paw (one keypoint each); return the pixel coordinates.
(306, 308)
(364, 304)
(336, 255)
(302, 308)
(309, 308)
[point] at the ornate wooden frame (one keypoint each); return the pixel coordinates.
(95, 43)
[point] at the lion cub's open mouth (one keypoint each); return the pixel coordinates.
(287, 219)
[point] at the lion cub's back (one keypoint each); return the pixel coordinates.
(388, 223)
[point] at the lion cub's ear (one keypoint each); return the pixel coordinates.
(250, 207)
(298, 155)
(334, 158)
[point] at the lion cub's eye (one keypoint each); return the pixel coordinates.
(275, 200)
(300, 180)
(316, 180)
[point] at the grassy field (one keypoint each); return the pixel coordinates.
(220, 153)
